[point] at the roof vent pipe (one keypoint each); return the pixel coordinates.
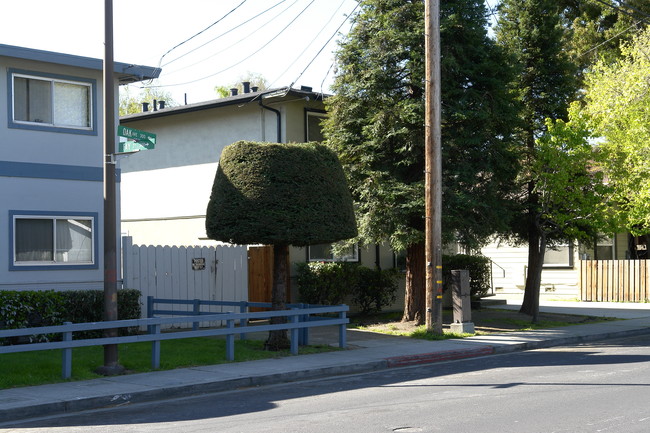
(254, 89)
(145, 107)
(247, 86)
(155, 105)
(233, 92)
(161, 104)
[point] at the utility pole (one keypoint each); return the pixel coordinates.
(433, 168)
(111, 365)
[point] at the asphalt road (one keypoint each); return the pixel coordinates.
(601, 387)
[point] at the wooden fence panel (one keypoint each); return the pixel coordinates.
(187, 273)
(614, 280)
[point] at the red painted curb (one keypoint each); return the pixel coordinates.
(447, 355)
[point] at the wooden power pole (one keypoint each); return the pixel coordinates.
(433, 168)
(111, 365)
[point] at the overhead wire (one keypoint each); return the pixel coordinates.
(245, 58)
(202, 31)
(310, 43)
(226, 32)
(235, 43)
(323, 47)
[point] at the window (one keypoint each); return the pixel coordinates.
(323, 253)
(560, 256)
(314, 130)
(41, 102)
(604, 249)
(42, 240)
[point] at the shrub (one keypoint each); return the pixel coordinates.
(375, 289)
(331, 283)
(326, 283)
(25, 309)
(29, 309)
(479, 272)
(88, 306)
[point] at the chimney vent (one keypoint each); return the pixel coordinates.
(145, 107)
(233, 92)
(254, 89)
(161, 104)
(247, 86)
(305, 88)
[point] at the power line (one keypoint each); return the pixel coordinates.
(312, 41)
(323, 47)
(202, 31)
(236, 43)
(225, 33)
(618, 8)
(245, 58)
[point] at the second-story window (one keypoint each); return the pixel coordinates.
(51, 102)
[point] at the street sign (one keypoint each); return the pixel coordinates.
(132, 140)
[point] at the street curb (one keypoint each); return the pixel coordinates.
(433, 357)
(104, 402)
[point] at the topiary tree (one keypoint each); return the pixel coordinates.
(279, 194)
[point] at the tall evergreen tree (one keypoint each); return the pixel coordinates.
(376, 124)
(532, 32)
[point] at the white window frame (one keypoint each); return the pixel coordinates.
(51, 264)
(313, 113)
(565, 265)
(54, 124)
(354, 257)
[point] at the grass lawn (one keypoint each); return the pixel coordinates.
(41, 367)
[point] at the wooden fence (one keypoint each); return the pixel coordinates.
(213, 273)
(615, 280)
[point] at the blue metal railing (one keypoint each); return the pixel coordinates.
(297, 319)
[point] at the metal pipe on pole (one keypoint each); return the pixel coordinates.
(111, 365)
(433, 169)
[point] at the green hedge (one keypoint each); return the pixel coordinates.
(24, 309)
(331, 283)
(479, 272)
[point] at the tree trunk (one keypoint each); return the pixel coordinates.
(536, 251)
(279, 340)
(415, 296)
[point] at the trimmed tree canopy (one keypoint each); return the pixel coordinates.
(273, 193)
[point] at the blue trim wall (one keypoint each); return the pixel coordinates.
(53, 267)
(37, 127)
(51, 171)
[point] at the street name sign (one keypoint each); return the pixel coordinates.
(133, 140)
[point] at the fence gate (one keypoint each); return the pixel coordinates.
(209, 273)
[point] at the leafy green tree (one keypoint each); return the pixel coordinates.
(532, 32)
(131, 103)
(597, 30)
(376, 125)
(617, 103)
(253, 78)
(280, 195)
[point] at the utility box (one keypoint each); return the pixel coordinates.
(461, 302)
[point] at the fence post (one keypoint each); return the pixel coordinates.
(342, 335)
(197, 312)
(243, 308)
(295, 332)
(155, 347)
(66, 371)
(304, 332)
(230, 341)
(150, 303)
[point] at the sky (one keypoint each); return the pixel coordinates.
(199, 44)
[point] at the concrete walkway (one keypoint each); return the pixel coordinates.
(367, 352)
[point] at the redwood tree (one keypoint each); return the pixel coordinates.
(376, 125)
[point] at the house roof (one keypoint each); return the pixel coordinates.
(126, 73)
(270, 95)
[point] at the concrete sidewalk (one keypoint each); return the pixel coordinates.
(367, 352)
